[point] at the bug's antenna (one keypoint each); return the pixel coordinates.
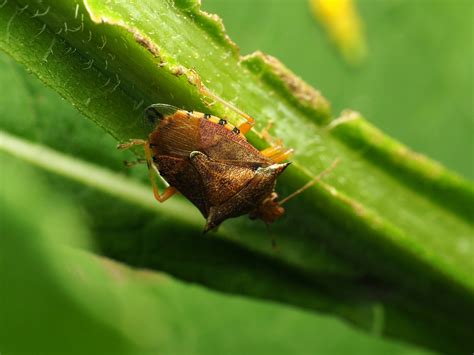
(244, 127)
(312, 182)
(228, 104)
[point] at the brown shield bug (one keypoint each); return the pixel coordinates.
(212, 164)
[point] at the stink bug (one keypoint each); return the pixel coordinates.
(212, 164)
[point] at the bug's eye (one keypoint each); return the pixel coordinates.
(152, 115)
(156, 112)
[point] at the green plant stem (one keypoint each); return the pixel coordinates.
(400, 220)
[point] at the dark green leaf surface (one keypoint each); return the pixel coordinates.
(91, 304)
(388, 231)
(65, 300)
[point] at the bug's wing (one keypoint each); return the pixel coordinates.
(156, 112)
(220, 181)
(248, 198)
(182, 175)
(222, 145)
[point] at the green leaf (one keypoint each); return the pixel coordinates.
(65, 300)
(390, 223)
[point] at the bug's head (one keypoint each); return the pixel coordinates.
(269, 210)
(155, 113)
(152, 116)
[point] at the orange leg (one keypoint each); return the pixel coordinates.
(284, 155)
(266, 135)
(276, 153)
(169, 191)
(271, 151)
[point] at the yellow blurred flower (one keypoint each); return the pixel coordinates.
(344, 25)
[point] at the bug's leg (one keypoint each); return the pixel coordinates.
(266, 135)
(169, 191)
(277, 153)
(244, 127)
(128, 145)
(271, 151)
(282, 156)
(131, 164)
(132, 143)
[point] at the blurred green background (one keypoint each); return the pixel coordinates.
(416, 85)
